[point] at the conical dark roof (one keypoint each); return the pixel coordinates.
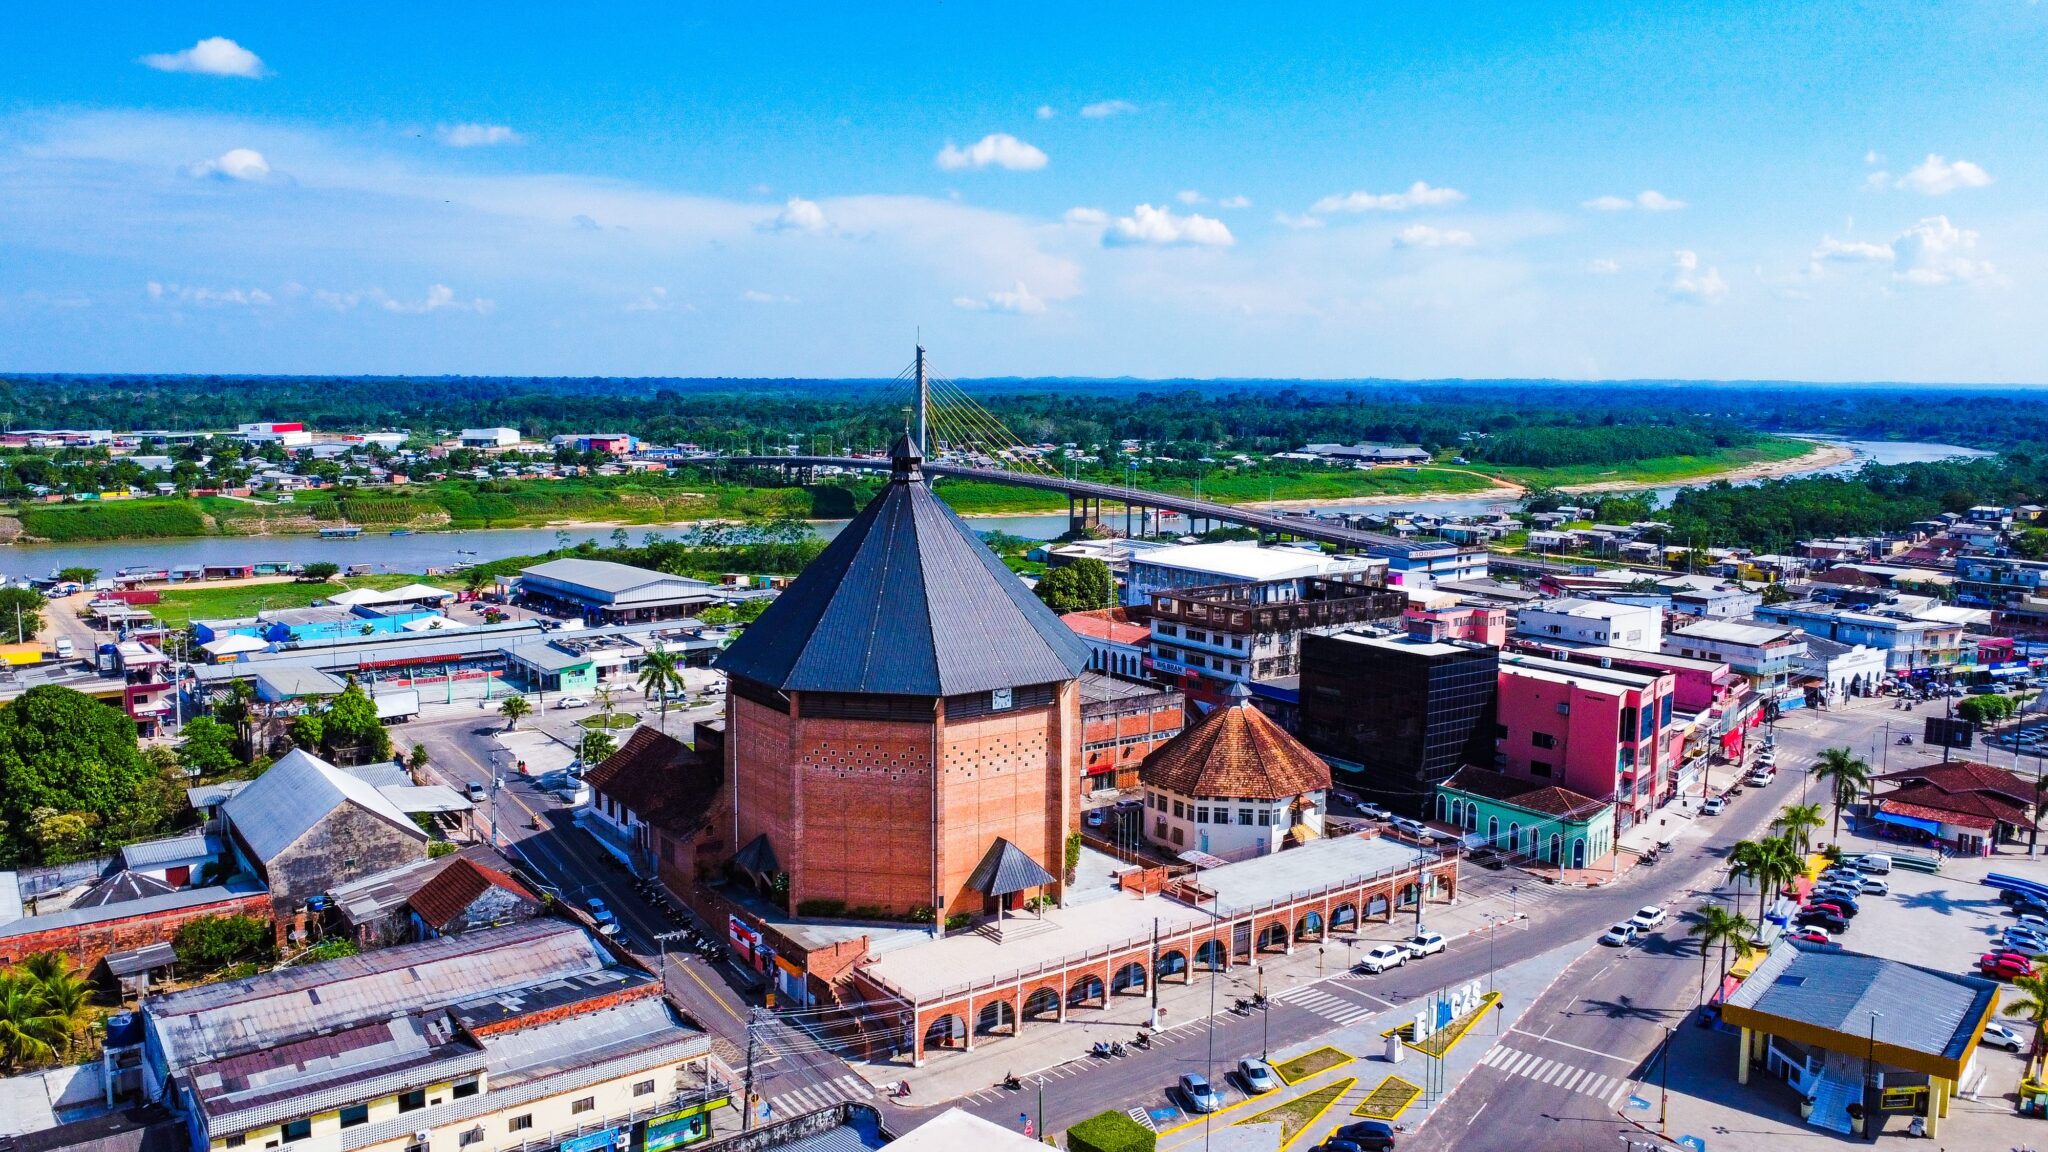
(907, 600)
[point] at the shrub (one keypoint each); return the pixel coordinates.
(211, 942)
(820, 907)
(1110, 1132)
(440, 848)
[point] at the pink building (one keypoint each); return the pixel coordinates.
(1604, 732)
(1478, 624)
(1708, 686)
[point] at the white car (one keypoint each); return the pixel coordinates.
(1648, 917)
(1713, 806)
(1424, 944)
(1382, 958)
(1999, 1036)
(572, 702)
(1876, 886)
(1621, 935)
(1258, 1076)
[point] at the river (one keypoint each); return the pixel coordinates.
(415, 552)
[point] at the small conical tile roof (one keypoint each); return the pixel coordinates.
(1237, 752)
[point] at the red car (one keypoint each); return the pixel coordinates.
(2002, 966)
(2012, 955)
(1814, 936)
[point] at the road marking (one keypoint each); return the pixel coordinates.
(1571, 1083)
(1514, 1067)
(1573, 1047)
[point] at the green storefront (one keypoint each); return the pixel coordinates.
(681, 1128)
(1541, 822)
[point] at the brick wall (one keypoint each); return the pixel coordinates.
(88, 944)
(564, 1011)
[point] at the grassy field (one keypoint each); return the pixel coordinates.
(980, 497)
(181, 606)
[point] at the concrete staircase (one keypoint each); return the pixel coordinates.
(1016, 928)
(1840, 1085)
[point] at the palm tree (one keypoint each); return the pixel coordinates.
(65, 995)
(512, 709)
(661, 671)
(1718, 925)
(1746, 860)
(2031, 1001)
(1781, 862)
(1845, 775)
(29, 1032)
(1798, 822)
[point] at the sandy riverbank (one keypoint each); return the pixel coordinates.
(1823, 455)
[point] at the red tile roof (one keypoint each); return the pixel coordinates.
(1108, 624)
(443, 898)
(1235, 752)
(1545, 799)
(662, 780)
(1938, 815)
(1965, 788)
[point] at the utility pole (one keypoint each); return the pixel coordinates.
(1152, 980)
(747, 1095)
(1664, 1107)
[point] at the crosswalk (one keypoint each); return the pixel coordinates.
(1336, 1009)
(1570, 1077)
(818, 1097)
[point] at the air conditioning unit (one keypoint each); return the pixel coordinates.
(422, 1137)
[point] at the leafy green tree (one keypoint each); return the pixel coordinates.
(1722, 926)
(352, 725)
(320, 571)
(209, 943)
(512, 709)
(1845, 777)
(66, 752)
(78, 574)
(1986, 709)
(309, 731)
(598, 746)
(1798, 822)
(1085, 585)
(417, 761)
(661, 672)
(21, 613)
(65, 994)
(2030, 1000)
(208, 748)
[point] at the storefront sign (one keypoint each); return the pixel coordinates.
(681, 1128)
(603, 1141)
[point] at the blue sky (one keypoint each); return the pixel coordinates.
(1816, 191)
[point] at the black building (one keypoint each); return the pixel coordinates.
(1396, 716)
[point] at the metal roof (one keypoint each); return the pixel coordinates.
(136, 961)
(906, 600)
(121, 888)
(610, 579)
(549, 658)
(1007, 868)
(147, 906)
(150, 853)
(295, 794)
(215, 1021)
(290, 683)
(1868, 998)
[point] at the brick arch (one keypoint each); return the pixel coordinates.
(996, 1016)
(1041, 1003)
(1055, 985)
(1085, 988)
(1311, 926)
(1173, 961)
(1271, 937)
(1344, 915)
(1130, 978)
(947, 1031)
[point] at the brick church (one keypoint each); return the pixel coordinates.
(903, 727)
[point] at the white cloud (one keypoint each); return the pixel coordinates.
(1649, 200)
(440, 297)
(801, 215)
(655, 299)
(998, 149)
(1087, 217)
(1602, 266)
(1424, 236)
(753, 297)
(184, 294)
(234, 164)
(213, 56)
(1160, 227)
(1873, 157)
(1689, 284)
(1046, 112)
(1836, 251)
(1937, 177)
(475, 135)
(1298, 223)
(1878, 180)
(1418, 195)
(1234, 202)
(1103, 109)
(1190, 196)
(1018, 301)
(1935, 251)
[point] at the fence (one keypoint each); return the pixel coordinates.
(42, 881)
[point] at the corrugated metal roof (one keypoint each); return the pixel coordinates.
(148, 905)
(121, 888)
(906, 600)
(296, 793)
(139, 960)
(219, 1020)
(607, 577)
(1917, 1009)
(168, 851)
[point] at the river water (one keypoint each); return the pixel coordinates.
(416, 552)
